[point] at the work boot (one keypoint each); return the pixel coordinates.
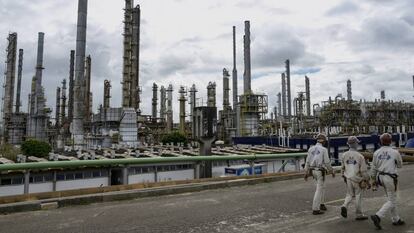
(362, 217)
(376, 220)
(323, 207)
(398, 223)
(317, 212)
(344, 212)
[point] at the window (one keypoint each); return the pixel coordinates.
(87, 174)
(6, 181)
(79, 175)
(60, 176)
(38, 179)
(17, 180)
(48, 177)
(69, 176)
(96, 173)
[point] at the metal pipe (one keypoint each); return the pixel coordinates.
(19, 81)
(157, 160)
(79, 108)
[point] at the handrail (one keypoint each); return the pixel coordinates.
(129, 161)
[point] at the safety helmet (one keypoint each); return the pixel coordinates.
(321, 138)
(353, 140)
(386, 139)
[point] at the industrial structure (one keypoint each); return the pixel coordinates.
(76, 125)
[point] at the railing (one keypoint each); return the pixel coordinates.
(145, 161)
(124, 164)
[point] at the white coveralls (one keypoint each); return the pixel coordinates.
(387, 160)
(317, 161)
(354, 169)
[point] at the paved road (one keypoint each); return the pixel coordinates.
(272, 207)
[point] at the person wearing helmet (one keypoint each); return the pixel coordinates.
(385, 162)
(317, 164)
(355, 173)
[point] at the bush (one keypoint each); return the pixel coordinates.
(9, 151)
(36, 148)
(174, 137)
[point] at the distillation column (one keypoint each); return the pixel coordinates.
(107, 95)
(71, 85)
(79, 90)
(19, 81)
(211, 94)
(154, 101)
(247, 63)
(289, 95)
(63, 106)
(349, 90)
(57, 110)
(234, 74)
(193, 93)
(226, 91)
(88, 94)
(163, 99)
(182, 101)
(10, 80)
(308, 100)
(283, 112)
(169, 108)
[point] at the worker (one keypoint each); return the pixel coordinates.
(317, 165)
(385, 162)
(355, 174)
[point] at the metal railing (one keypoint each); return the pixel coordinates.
(124, 164)
(145, 161)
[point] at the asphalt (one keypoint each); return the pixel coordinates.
(282, 206)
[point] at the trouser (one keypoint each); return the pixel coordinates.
(353, 190)
(391, 204)
(319, 197)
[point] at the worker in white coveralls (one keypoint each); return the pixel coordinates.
(356, 177)
(385, 162)
(317, 165)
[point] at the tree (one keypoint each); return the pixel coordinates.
(36, 148)
(174, 137)
(9, 151)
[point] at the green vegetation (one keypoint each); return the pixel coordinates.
(36, 148)
(174, 137)
(9, 151)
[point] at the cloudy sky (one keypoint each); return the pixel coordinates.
(190, 41)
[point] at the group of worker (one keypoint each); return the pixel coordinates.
(385, 163)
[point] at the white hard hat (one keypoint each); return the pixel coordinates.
(353, 140)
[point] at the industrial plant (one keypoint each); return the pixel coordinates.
(76, 126)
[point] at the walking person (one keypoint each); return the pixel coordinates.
(317, 165)
(356, 177)
(385, 163)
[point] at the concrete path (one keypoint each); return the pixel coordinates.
(270, 207)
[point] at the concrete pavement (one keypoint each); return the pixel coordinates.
(282, 206)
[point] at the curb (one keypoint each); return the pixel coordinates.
(141, 193)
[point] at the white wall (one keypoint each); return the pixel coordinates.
(8, 190)
(41, 187)
(141, 178)
(176, 175)
(82, 183)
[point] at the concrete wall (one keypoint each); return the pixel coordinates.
(40, 187)
(8, 190)
(81, 183)
(141, 178)
(176, 175)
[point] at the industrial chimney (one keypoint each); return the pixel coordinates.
(247, 64)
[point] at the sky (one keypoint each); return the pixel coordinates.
(185, 42)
